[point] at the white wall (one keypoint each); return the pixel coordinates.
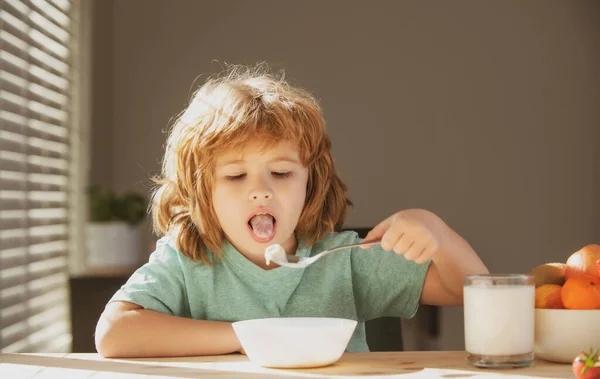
(485, 112)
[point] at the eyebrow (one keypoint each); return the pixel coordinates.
(274, 160)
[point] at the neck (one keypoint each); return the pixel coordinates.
(290, 246)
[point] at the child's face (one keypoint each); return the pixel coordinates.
(254, 181)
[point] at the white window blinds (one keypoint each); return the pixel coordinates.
(37, 71)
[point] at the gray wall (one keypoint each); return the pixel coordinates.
(487, 113)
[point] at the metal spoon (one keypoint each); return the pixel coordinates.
(295, 261)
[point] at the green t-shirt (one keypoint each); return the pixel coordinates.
(355, 284)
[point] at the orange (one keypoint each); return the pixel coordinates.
(581, 292)
(548, 296)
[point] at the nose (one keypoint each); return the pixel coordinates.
(260, 194)
(261, 191)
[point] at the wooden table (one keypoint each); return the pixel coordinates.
(405, 365)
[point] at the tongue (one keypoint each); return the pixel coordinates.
(262, 225)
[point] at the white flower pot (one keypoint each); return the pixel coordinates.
(112, 244)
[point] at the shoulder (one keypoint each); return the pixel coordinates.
(335, 239)
(167, 253)
(167, 264)
(339, 238)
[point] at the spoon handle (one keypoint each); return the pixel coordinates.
(350, 246)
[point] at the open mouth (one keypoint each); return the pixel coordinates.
(262, 226)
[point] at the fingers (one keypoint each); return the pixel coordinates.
(403, 244)
(424, 255)
(410, 247)
(408, 233)
(415, 244)
(412, 252)
(421, 254)
(391, 238)
(377, 232)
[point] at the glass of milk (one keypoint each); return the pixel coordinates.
(499, 320)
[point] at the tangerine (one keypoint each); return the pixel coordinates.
(549, 296)
(581, 292)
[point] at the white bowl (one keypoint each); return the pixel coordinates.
(294, 342)
(561, 334)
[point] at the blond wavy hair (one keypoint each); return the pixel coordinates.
(241, 105)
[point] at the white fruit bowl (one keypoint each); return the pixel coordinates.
(561, 334)
(294, 342)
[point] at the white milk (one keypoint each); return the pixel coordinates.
(499, 320)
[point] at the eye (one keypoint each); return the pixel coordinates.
(281, 174)
(235, 177)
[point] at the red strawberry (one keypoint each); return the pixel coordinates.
(586, 366)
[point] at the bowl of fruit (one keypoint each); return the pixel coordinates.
(567, 302)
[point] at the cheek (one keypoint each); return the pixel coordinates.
(221, 201)
(299, 190)
(224, 191)
(300, 193)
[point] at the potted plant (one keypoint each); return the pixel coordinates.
(113, 231)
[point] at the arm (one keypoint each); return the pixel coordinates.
(127, 330)
(454, 260)
(420, 235)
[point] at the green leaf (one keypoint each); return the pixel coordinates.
(106, 206)
(590, 360)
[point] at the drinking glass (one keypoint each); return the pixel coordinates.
(499, 320)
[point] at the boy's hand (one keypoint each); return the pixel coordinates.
(415, 233)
